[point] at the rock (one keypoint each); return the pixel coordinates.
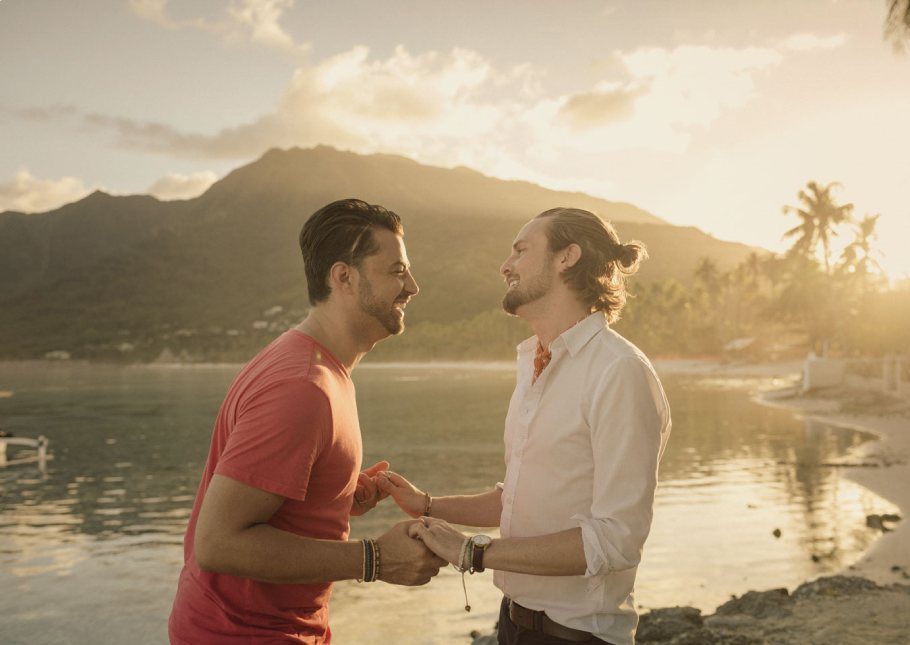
(776, 533)
(833, 586)
(758, 604)
(881, 521)
(874, 521)
(663, 625)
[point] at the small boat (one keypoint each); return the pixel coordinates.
(25, 445)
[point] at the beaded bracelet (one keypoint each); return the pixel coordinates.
(375, 561)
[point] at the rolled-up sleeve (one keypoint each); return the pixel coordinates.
(629, 420)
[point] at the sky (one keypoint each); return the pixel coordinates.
(711, 114)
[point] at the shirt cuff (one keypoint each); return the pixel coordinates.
(595, 558)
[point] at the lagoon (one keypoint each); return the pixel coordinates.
(90, 549)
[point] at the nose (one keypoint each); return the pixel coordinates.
(410, 285)
(506, 268)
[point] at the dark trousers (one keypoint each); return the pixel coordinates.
(512, 634)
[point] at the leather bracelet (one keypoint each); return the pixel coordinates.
(370, 571)
(429, 503)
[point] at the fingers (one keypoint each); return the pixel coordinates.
(398, 480)
(383, 482)
(435, 522)
(376, 468)
(366, 489)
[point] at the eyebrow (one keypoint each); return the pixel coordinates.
(516, 243)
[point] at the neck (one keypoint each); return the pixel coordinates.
(549, 317)
(335, 332)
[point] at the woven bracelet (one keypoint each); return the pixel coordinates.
(375, 561)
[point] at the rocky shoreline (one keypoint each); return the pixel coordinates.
(835, 609)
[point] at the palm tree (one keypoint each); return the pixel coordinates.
(707, 274)
(897, 24)
(859, 256)
(819, 215)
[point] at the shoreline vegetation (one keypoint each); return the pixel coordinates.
(869, 600)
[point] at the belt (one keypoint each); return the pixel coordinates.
(538, 621)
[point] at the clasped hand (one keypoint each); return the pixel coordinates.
(438, 535)
(377, 482)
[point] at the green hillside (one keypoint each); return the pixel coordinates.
(124, 278)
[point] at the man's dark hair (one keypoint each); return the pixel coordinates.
(599, 275)
(341, 232)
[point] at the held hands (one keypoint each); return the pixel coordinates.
(367, 493)
(440, 537)
(403, 559)
(409, 498)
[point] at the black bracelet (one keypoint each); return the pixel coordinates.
(368, 560)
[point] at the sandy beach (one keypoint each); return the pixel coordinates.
(868, 601)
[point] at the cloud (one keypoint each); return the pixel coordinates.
(48, 113)
(809, 42)
(28, 194)
(605, 104)
(177, 186)
(255, 21)
(425, 104)
(456, 108)
(692, 85)
(154, 11)
(259, 21)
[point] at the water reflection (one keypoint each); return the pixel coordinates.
(129, 446)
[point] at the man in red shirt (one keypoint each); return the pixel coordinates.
(268, 532)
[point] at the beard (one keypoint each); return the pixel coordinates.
(533, 289)
(391, 320)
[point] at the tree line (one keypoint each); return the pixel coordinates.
(774, 305)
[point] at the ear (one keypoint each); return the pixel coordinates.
(568, 257)
(341, 277)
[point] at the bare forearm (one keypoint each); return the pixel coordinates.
(556, 554)
(471, 510)
(267, 554)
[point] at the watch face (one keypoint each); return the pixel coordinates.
(483, 541)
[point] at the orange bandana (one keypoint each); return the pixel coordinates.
(541, 360)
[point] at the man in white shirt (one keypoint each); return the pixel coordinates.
(586, 427)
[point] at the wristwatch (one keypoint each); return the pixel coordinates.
(479, 544)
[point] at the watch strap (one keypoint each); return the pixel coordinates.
(477, 557)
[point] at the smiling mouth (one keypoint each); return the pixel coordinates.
(512, 282)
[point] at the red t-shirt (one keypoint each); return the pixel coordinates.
(289, 426)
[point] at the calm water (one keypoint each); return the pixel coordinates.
(90, 549)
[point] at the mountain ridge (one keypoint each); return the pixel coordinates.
(108, 271)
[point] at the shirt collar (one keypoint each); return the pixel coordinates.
(574, 338)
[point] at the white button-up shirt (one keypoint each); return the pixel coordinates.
(582, 446)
